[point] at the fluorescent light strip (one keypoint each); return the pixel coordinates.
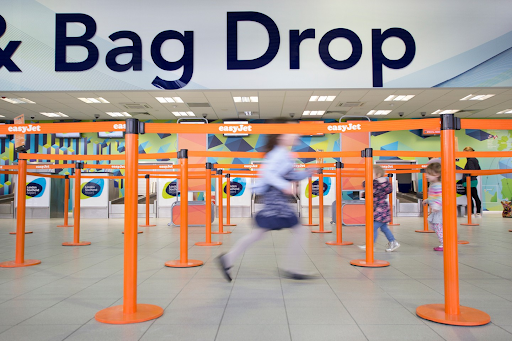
(313, 113)
(118, 114)
(378, 112)
(245, 99)
(169, 99)
(322, 98)
(53, 114)
(476, 97)
(443, 112)
(91, 100)
(506, 111)
(17, 100)
(183, 113)
(402, 98)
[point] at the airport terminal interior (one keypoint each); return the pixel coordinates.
(142, 154)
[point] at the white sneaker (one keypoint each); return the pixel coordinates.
(362, 247)
(392, 246)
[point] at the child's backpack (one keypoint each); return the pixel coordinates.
(507, 209)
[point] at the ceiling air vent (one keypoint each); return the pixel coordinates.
(136, 106)
(199, 105)
(350, 104)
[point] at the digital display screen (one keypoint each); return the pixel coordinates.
(67, 135)
(111, 134)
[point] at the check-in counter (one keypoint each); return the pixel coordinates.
(95, 194)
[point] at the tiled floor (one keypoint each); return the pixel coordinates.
(57, 300)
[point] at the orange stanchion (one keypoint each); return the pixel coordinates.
(391, 213)
(321, 204)
(367, 154)
(228, 201)
(339, 236)
(451, 312)
(66, 202)
(76, 213)
(425, 207)
(20, 260)
(469, 207)
(221, 206)
(184, 262)
(147, 203)
(208, 203)
(130, 311)
(310, 203)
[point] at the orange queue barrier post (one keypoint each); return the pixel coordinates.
(130, 311)
(339, 232)
(321, 204)
(425, 206)
(470, 202)
(76, 213)
(20, 260)
(66, 203)
(391, 213)
(208, 203)
(221, 205)
(184, 262)
(148, 194)
(228, 201)
(367, 154)
(310, 202)
(451, 312)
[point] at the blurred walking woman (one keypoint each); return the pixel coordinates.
(473, 164)
(275, 185)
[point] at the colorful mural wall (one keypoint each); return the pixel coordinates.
(495, 188)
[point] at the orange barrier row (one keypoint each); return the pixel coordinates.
(26, 156)
(339, 233)
(66, 203)
(208, 203)
(391, 213)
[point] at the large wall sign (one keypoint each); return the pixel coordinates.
(38, 192)
(81, 45)
(94, 192)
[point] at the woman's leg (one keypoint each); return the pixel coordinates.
(438, 228)
(387, 232)
(376, 226)
(293, 259)
(474, 195)
(242, 244)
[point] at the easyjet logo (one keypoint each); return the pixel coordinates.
(120, 126)
(43, 167)
(24, 129)
(343, 127)
(235, 128)
(117, 166)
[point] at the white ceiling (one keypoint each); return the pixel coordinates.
(272, 103)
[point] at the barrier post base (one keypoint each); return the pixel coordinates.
(208, 244)
(138, 232)
(229, 224)
(178, 264)
(318, 231)
(13, 264)
(393, 224)
(223, 232)
(376, 263)
(309, 224)
(76, 244)
(115, 315)
(64, 225)
(467, 317)
(146, 225)
(342, 243)
(466, 224)
(509, 230)
(424, 231)
(26, 232)
(462, 242)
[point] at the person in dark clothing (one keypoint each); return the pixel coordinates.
(473, 164)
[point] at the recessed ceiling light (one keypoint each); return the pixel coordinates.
(253, 99)
(476, 97)
(322, 98)
(2, 116)
(378, 112)
(118, 114)
(443, 112)
(183, 113)
(402, 98)
(248, 113)
(53, 114)
(313, 113)
(91, 100)
(506, 111)
(169, 99)
(17, 100)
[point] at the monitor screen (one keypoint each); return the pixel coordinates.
(67, 135)
(111, 134)
(236, 123)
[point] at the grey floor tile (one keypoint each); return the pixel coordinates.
(308, 332)
(42, 333)
(487, 332)
(259, 311)
(399, 332)
(180, 332)
(253, 333)
(101, 331)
